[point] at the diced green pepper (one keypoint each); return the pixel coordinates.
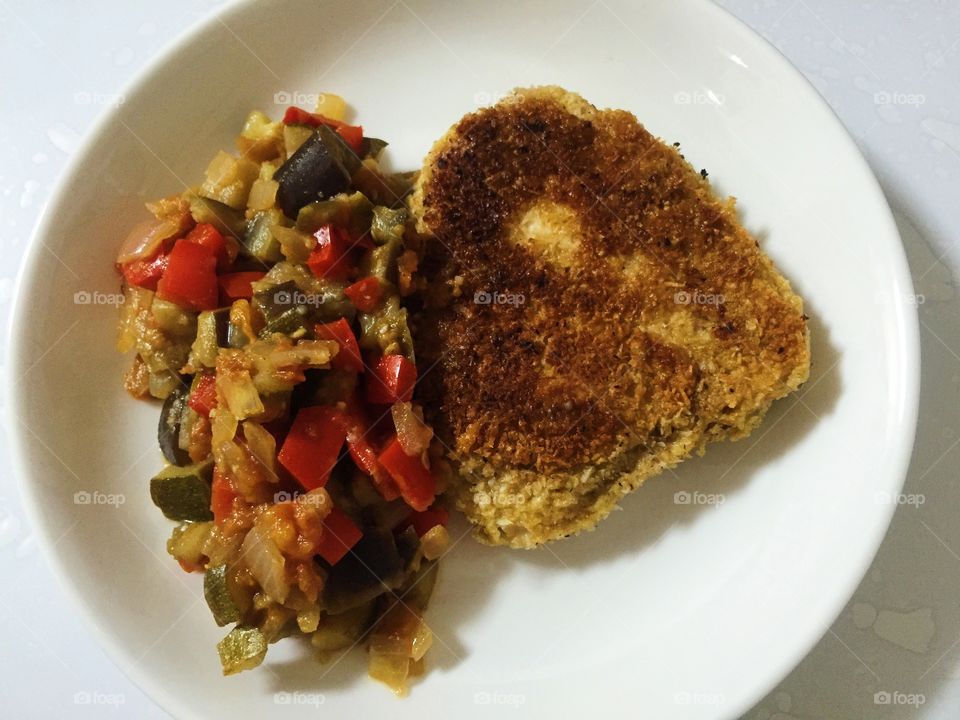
(381, 262)
(386, 330)
(183, 493)
(388, 225)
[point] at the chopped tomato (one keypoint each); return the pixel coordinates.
(221, 496)
(352, 134)
(312, 446)
(331, 258)
(203, 399)
(207, 235)
(417, 486)
(189, 566)
(365, 294)
(190, 279)
(391, 380)
(234, 286)
(424, 521)
(348, 358)
(146, 273)
(340, 534)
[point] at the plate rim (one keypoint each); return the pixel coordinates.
(906, 321)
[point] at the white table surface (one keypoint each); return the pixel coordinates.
(891, 71)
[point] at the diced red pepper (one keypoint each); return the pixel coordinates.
(352, 134)
(417, 485)
(365, 294)
(312, 446)
(348, 358)
(391, 380)
(361, 444)
(146, 273)
(207, 235)
(332, 257)
(190, 279)
(423, 522)
(340, 534)
(234, 286)
(203, 399)
(222, 495)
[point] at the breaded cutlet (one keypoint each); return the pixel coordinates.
(594, 312)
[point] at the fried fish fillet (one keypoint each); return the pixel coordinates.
(593, 315)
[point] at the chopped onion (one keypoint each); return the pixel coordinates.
(262, 445)
(412, 432)
(146, 237)
(239, 393)
(265, 563)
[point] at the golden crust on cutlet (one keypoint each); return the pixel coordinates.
(594, 313)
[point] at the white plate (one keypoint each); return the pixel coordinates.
(669, 610)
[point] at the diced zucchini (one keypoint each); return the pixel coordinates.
(168, 429)
(174, 321)
(242, 649)
(216, 591)
(183, 493)
(259, 241)
(352, 212)
(187, 541)
(223, 217)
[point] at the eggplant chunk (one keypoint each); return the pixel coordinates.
(319, 169)
(372, 566)
(168, 431)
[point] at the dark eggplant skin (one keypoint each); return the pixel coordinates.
(320, 168)
(168, 430)
(371, 565)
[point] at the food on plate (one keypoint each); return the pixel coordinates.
(266, 309)
(595, 312)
